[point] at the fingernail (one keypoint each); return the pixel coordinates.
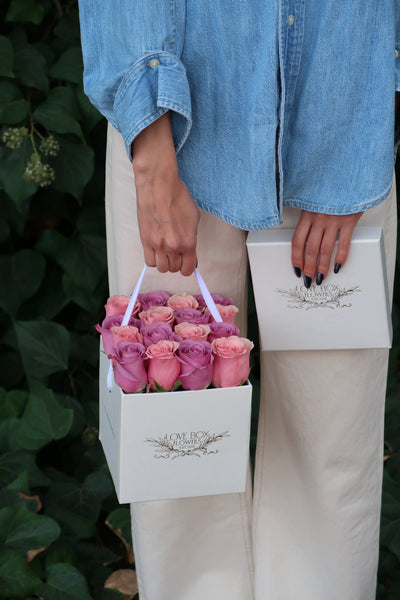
(307, 281)
(297, 271)
(336, 268)
(319, 278)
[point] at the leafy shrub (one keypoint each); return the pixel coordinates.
(56, 490)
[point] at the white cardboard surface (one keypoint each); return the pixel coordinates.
(175, 444)
(349, 309)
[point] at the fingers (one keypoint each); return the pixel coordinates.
(168, 220)
(314, 241)
(343, 248)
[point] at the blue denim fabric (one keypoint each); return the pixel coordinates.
(316, 79)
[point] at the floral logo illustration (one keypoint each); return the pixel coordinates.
(318, 296)
(194, 443)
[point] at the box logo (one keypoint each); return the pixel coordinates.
(319, 296)
(186, 443)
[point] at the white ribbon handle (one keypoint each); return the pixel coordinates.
(128, 313)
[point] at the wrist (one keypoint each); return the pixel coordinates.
(153, 150)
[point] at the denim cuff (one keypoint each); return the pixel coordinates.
(155, 83)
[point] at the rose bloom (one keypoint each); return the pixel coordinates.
(117, 305)
(129, 368)
(218, 299)
(126, 333)
(224, 329)
(157, 332)
(107, 325)
(189, 331)
(231, 360)
(164, 367)
(228, 313)
(149, 299)
(182, 300)
(157, 314)
(191, 315)
(196, 360)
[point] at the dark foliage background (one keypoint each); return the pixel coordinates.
(62, 533)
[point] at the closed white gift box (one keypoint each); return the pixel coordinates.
(175, 444)
(349, 309)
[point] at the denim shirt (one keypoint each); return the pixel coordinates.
(306, 86)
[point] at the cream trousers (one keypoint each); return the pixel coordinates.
(311, 529)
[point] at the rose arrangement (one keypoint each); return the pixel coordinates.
(173, 341)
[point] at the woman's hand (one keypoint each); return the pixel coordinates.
(167, 214)
(313, 242)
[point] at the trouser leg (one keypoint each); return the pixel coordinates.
(195, 548)
(319, 465)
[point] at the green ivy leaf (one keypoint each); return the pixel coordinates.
(30, 68)
(21, 274)
(44, 347)
(13, 106)
(91, 116)
(12, 403)
(21, 484)
(23, 530)
(64, 582)
(120, 520)
(8, 441)
(25, 11)
(60, 113)
(69, 66)
(74, 167)
(6, 57)
(44, 419)
(16, 462)
(17, 579)
(50, 298)
(77, 505)
(83, 260)
(12, 168)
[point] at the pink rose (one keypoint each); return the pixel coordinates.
(107, 325)
(149, 299)
(157, 314)
(182, 300)
(189, 331)
(129, 369)
(228, 313)
(164, 367)
(231, 364)
(191, 315)
(196, 360)
(117, 305)
(126, 333)
(157, 332)
(223, 329)
(218, 299)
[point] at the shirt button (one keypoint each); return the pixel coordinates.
(153, 64)
(291, 20)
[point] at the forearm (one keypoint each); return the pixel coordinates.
(167, 214)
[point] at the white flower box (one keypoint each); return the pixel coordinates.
(175, 444)
(349, 309)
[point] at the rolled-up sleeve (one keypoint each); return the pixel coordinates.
(133, 71)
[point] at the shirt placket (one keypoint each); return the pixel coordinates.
(291, 33)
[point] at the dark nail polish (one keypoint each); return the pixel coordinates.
(307, 281)
(297, 271)
(319, 278)
(336, 268)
